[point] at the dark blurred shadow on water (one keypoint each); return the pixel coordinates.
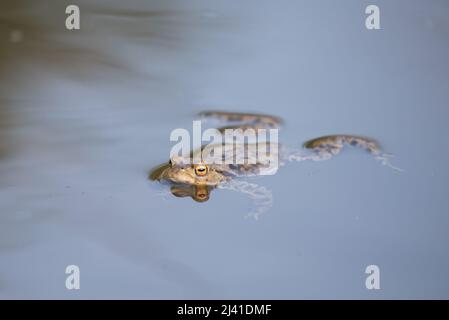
(114, 41)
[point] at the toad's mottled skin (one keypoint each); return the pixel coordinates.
(197, 180)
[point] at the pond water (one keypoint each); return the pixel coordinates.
(85, 115)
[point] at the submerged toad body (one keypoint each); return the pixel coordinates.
(197, 180)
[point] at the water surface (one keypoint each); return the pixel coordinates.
(85, 115)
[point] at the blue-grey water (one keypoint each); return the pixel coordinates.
(86, 114)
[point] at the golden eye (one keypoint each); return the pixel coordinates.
(201, 170)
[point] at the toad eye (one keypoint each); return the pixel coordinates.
(201, 170)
